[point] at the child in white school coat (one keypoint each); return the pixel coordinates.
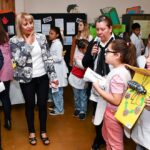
(141, 131)
(56, 52)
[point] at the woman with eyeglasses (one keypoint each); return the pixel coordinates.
(117, 54)
(95, 59)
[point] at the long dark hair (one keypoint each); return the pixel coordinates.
(3, 35)
(57, 31)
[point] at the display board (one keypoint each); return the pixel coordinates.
(68, 23)
(8, 20)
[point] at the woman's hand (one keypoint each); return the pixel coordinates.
(30, 38)
(54, 84)
(94, 50)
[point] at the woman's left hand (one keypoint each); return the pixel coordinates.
(29, 39)
(54, 84)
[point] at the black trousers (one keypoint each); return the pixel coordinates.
(98, 138)
(38, 86)
(4, 97)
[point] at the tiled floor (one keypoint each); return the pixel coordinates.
(65, 131)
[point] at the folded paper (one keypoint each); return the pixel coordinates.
(92, 76)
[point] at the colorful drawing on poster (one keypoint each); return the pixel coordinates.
(133, 102)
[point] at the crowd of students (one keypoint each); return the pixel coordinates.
(41, 70)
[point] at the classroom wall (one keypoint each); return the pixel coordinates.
(91, 8)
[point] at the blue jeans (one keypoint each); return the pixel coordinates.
(138, 147)
(58, 100)
(80, 99)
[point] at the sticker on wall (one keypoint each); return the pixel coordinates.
(47, 19)
(78, 20)
(4, 20)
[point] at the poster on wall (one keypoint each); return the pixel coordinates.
(11, 30)
(46, 28)
(59, 23)
(37, 25)
(67, 40)
(70, 28)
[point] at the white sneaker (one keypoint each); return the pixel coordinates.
(53, 113)
(50, 100)
(50, 108)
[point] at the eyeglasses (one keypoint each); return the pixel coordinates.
(108, 51)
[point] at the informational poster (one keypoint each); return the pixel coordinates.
(11, 30)
(145, 26)
(67, 40)
(37, 25)
(133, 102)
(59, 23)
(70, 28)
(46, 28)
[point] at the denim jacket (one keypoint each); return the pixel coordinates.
(23, 59)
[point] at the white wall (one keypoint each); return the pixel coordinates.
(90, 7)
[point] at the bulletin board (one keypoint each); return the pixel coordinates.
(65, 21)
(68, 23)
(8, 21)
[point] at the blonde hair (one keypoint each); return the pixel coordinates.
(19, 18)
(85, 30)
